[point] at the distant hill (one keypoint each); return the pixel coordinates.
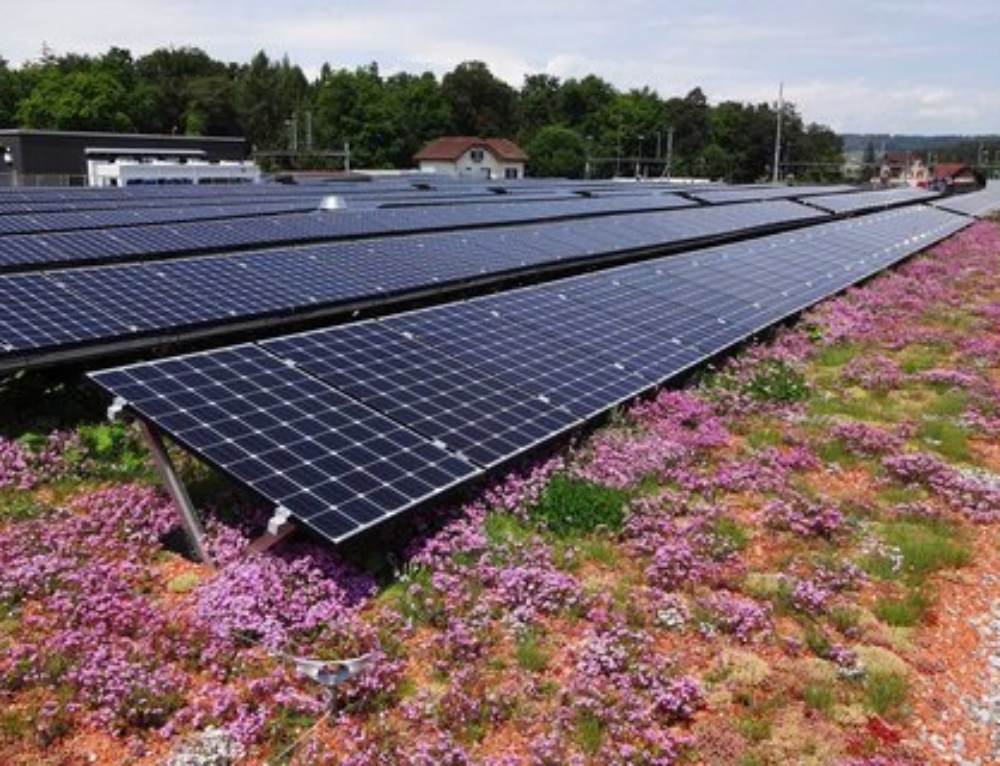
(856, 142)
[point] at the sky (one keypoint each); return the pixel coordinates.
(857, 66)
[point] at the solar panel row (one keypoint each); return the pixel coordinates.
(871, 200)
(185, 237)
(348, 426)
(980, 203)
(109, 218)
(44, 311)
(730, 194)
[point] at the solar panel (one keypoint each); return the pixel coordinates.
(348, 426)
(565, 375)
(978, 203)
(335, 464)
(471, 412)
(871, 200)
(159, 299)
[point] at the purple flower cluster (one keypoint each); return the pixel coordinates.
(743, 618)
(866, 440)
(764, 470)
(16, 466)
(279, 601)
(874, 372)
(680, 554)
(975, 496)
(90, 635)
(619, 680)
(673, 429)
(804, 517)
(808, 596)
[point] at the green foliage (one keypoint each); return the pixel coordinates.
(589, 732)
(819, 696)
(729, 537)
(817, 641)
(16, 505)
(115, 450)
(905, 612)
(945, 437)
(557, 151)
(571, 506)
(756, 728)
(846, 619)
(886, 693)
(387, 119)
(501, 528)
(531, 654)
(774, 380)
(927, 546)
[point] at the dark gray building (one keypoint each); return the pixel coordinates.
(57, 158)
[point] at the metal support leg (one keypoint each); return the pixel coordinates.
(178, 493)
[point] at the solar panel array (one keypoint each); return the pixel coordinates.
(348, 426)
(44, 312)
(871, 200)
(732, 194)
(193, 236)
(74, 220)
(982, 203)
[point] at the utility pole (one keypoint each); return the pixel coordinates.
(309, 130)
(670, 151)
(777, 133)
(618, 154)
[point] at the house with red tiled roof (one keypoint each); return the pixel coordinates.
(954, 176)
(472, 157)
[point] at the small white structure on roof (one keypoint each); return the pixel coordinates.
(472, 157)
(127, 167)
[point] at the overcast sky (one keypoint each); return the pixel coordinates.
(893, 66)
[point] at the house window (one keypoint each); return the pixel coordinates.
(510, 173)
(476, 155)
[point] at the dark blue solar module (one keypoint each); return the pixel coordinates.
(871, 200)
(465, 409)
(327, 424)
(978, 203)
(164, 298)
(335, 464)
(124, 240)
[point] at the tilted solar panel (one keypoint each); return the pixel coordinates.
(161, 299)
(348, 426)
(336, 465)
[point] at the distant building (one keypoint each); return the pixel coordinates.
(470, 157)
(904, 169)
(58, 158)
(954, 177)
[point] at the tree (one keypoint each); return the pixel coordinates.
(265, 95)
(538, 105)
(417, 113)
(164, 85)
(480, 104)
(557, 151)
(84, 100)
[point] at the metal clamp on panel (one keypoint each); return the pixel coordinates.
(116, 408)
(280, 521)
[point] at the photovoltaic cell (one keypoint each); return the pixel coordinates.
(335, 464)
(472, 413)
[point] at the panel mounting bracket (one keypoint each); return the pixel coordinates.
(189, 519)
(279, 526)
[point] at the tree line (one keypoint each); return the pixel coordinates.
(569, 127)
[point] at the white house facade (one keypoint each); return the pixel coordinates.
(471, 157)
